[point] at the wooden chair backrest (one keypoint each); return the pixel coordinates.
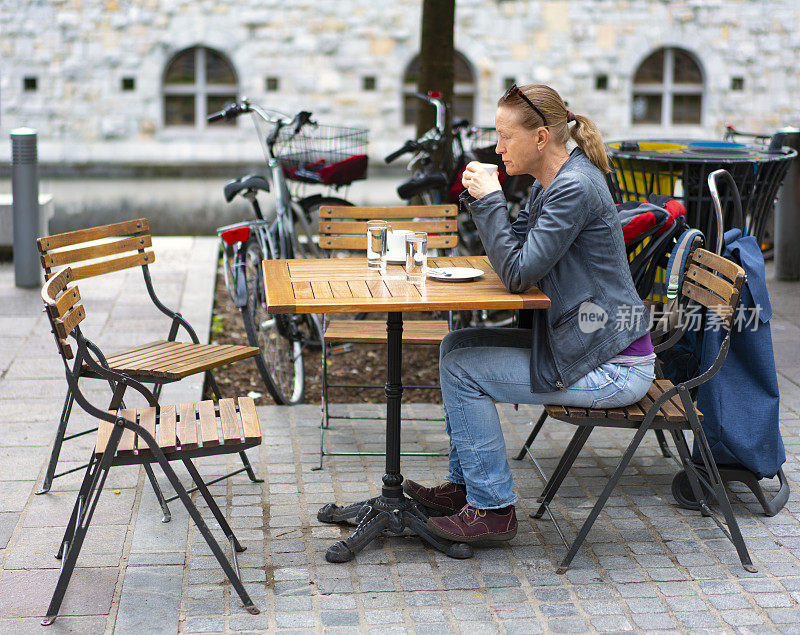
(715, 283)
(98, 250)
(63, 310)
(346, 227)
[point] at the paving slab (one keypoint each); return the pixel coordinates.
(149, 603)
(26, 593)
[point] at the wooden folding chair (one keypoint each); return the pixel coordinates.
(140, 437)
(715, 283)
(116, 247)
(342, 231)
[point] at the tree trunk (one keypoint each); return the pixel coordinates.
(436, 69)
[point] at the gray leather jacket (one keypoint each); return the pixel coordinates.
(569, 243)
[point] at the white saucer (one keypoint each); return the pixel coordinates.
(454, 274)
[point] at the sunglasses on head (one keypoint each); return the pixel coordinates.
(515, 90)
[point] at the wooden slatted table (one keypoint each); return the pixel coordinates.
(346, 285)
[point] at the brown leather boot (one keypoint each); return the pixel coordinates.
(446, 498)
(472, 525)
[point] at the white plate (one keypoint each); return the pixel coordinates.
(454, 274)
(395, 261)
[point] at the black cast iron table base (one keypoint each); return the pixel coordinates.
(379, 514)
(392, 511)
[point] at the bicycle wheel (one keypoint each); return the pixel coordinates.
(280, 361)
(228, 255)
(304, 236)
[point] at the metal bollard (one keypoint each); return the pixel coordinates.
(787, 216)
(25, 213)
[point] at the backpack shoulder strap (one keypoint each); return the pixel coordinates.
(676, 264)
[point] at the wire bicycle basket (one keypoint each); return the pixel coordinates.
(329, 155)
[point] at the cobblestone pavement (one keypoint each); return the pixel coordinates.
(647, 565)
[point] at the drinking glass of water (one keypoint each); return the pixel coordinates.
(416, 257)
(376, 244)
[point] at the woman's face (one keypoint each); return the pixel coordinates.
(515, 143)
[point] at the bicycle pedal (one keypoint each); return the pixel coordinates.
(341, 349)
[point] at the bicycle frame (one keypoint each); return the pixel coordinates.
(283, 198)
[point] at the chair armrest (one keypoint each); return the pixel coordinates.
(177, 319)
(104, 371)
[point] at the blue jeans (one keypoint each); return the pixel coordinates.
(479, 366)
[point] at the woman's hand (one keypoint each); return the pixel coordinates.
(478, 181)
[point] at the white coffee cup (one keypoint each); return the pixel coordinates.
(491, 168)
(396, 240)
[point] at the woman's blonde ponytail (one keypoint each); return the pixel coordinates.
(589, 139)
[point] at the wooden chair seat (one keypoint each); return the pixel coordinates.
(175, 360)
(197, 428)
(374, 331)
(671, 412)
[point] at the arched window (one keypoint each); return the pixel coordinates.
(463, 90)
(197, 82)
(668, 89)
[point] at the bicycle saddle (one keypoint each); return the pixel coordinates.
(249, 182)
(422, 183)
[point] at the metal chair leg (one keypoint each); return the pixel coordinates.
(61, 435)
(322, 427)
(604, 496)
(323, 422)
(79, 506)
(212, 505)
(159, 494)
(249, 468)
(245, 461)
(56, 449)
(662, 443)
(79, 524)
(562, 469)
(733, 532)
(206, 532)
(532, 436)
(686, 459)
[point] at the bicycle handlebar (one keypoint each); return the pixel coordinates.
(430, 139)
(301, 119)
(232, 110)
(731, 132)
(409, 146)
(438, 104)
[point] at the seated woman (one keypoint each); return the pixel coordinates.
(591, 348)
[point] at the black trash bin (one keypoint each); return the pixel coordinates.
(680, 167)
(787, 215)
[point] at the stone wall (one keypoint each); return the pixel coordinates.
(79, 50)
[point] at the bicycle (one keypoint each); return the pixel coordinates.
(433, 183)
(731, 134)
(281, 338)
